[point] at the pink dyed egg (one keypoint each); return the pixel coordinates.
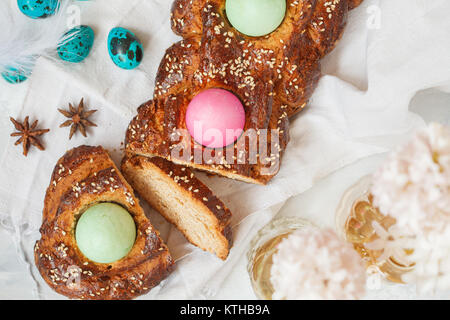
(215, 118)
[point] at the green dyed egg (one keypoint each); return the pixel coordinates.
(256, 18)
(105, 233)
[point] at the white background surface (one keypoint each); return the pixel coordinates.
(319, 202)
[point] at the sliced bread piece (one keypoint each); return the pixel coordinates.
(183, 200)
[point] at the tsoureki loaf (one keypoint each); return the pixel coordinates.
(274, 76)
(82, 178)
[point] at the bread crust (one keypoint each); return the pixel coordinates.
(85, 176)
(194, 192)
(354, 3)
(274, 76)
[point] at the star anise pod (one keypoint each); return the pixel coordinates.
(78, 119)
(28, 135)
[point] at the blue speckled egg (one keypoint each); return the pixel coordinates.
(77, 44)
(38, 8)
(125, 48)
(14, 75)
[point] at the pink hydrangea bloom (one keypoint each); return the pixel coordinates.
(413, 186)
(315, 264)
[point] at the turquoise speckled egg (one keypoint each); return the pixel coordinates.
(77, 44)
(14, 75)
(38, 8)
(124, 48)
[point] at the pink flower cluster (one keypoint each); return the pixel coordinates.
(413, 186)
(315, 264)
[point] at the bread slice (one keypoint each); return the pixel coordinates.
(83, 177)
(183, 200)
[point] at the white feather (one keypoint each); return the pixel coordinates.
(23, 40)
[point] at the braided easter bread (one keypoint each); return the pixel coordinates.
(274, 76)
(83, 177)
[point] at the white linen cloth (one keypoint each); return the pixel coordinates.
(391, 50)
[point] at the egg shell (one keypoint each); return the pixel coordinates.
(256, 18)
(215, 118)
(105, 232)
(14, 75)
(77, 44)
(38, 9)
(124, 48)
